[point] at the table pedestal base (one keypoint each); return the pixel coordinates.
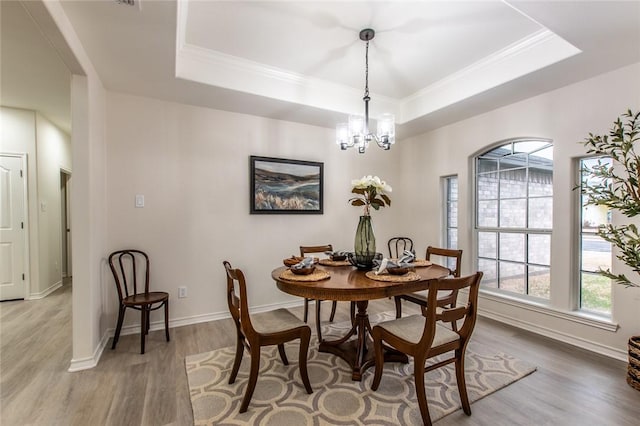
(355, 351)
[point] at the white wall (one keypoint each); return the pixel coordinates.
(566, 116)
(53, 148)
(88, 219)
(48, 148)
(192, 166)
(88, 197)
(18, 136)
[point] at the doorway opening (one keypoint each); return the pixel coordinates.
(65, 226)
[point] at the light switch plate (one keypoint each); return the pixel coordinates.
(139, 201)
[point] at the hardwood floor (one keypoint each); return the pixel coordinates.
(571, 386)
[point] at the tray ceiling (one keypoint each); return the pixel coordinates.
(431, 62)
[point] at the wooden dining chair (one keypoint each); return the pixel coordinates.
(127, 267)
(264, 329)
(397, 245)
(424, 336)
(448, 299)
(304, 250)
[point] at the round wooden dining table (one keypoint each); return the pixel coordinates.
(346, 283)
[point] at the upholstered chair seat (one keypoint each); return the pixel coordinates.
(411, 328)
(275, 321)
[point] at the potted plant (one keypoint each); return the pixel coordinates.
(617, 186)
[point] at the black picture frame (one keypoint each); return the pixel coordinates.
(284, 186)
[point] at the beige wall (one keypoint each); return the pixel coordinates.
(48, 149)
(566, 116)
(192, 166)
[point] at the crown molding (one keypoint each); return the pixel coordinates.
(218, 69)
(525, 56)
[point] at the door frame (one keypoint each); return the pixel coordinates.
(25, 195)
(66, 235)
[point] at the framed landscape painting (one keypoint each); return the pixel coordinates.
(285, 186)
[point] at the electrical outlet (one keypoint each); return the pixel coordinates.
(182, 292)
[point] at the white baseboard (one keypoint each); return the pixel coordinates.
(45, 293)
(196, 319)
(556, 335)
(92, 361)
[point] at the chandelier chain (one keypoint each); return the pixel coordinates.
(366, 71)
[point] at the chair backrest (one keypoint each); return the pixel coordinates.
(467, 313)
(128, 267)
(397, 245)
(449, 255)
(315, 249)
(237, 299)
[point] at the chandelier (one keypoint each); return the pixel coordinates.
(356, 132)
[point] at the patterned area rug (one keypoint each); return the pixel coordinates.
(280, 399)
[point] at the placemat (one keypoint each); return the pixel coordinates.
(419, 263)
(329, 262)
(408, 277)
(317, 275)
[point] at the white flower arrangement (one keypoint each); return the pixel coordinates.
(374, 193)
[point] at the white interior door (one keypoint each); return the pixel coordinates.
(12, 232)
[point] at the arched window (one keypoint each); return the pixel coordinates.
(513, 216)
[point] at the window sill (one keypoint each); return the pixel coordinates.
(579, 317)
